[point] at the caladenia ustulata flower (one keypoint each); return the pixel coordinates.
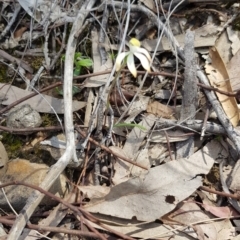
(134, 50)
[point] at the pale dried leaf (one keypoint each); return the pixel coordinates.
(218, 77)
(58, 141)
(172, 136)
(143, 159)
(99, 80)
(94, 191)
(91, 101)
(116, 130)
(204, 37)
(234, 71)
(53, 219)
(145, 197)
(137, 107)
(150, 4)
(234, 178)
(40, 103)
(221, 212)
(233, 37)
(137, 229)
(157, 153)
(223, 45)
(121, 167)
(3, 160)
(41, 9)
(236, 238)
(137, 135)
(160, 110)
(190, 213)
(29, 6)
(130, 149)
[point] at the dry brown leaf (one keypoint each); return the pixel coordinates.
(205, 36)
(150, 4)
(137, 229)
(218, 77)
(191, 214)
(3, 160)
(98, 66)
(168, 136)
(19, 32)
(234, 39)
(156, 193)
(221, 212)
(41, 103)
(234, 71)
(130, 150)
(138, 106)
(94, 191)
(160, 110)
(223, 45)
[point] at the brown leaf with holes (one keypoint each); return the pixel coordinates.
(157, 191)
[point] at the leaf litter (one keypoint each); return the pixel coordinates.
(126, 153)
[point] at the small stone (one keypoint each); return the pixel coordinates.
(104, 169)
(3, 160)
(23, 116)
(33, 173)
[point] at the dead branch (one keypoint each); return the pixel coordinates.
(70, 152)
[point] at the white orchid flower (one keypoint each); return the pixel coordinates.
(134, 50)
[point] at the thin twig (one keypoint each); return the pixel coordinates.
(70, 152)
(228, 195)
(109, 150)
(29, 96)
(52, 229)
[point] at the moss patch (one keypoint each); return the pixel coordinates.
(12, 143)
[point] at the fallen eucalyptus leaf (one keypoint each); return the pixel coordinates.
(152, 195)
(218, 77)
(170, 136)
(40, 103)
(160, 110)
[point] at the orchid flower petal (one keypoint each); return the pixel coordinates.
(144, 61)
(119, 60)
(131, 65)
(145, 52)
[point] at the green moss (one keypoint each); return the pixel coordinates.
(236, 23)
(12, 143)
(37, 155)
(3, 74)
(36, 62)
(49, 120)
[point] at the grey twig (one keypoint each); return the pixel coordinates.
(15, 14)
(189, 101)
(192, 125)
(70, 152)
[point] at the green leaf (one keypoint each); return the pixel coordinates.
(85, 62)
(113, 56)
(77, 55)
(75, 90)
(77, 71)
(59, 91)
(129, 125)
